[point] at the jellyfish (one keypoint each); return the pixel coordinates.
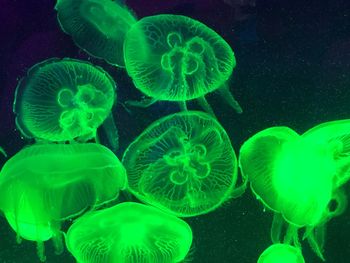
(63, 100)
(183, 163)
(336, 134)
(176, 58)
(294, 177)
(129, 232)
(45, 184)
(277, 253)
(97, 26)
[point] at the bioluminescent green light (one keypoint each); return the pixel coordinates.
(97, 26)
(289, 174)
(294, 176)
(336, 134)
(176, 58)
(281, 253)
(63, 100)
(44, 184)
(183, 163)
(129, 232)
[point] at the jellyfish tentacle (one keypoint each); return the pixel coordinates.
(316, 241)
(276, 228)
(238, 191)
(292, 235)
(203, 103)
(58, 243)
(111, 132)
(226, 94)
(144, 103)
(40, 248)
(2, 151)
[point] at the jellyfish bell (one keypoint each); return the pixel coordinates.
(294, 177)
(129, 232)
(97, 26)
(285, 253)
(336, 135)
(64, 100)
(176, 58)
(183, 163)
(45, 184)
(288, 173)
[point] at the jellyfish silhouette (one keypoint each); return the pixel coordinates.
(295, 177)
(129, 232)
(97, 26)
(277, 253)
(176, 58)
(183, 163)
(43, 185)
(63, 100)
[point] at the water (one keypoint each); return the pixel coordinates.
(293, 62)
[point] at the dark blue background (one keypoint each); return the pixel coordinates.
(293, 62)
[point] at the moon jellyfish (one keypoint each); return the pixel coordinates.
(294, 177)
(176, 58)
(129, 232)
(63, 100)
(97, 26)
(45, 184)
(278, 253)
(183, 163)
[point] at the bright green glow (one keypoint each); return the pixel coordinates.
(176, 58)
(97, 26)
(65, 98)
(299, 177)
(62, 100)
(129, 232)
(289, 174)
(281, 253)
(336, 134)
(303, 176)
(183, 163)
(44, 184)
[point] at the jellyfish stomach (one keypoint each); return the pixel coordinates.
(82, 112)
(190, 162)
(186, 62)
(182, 60)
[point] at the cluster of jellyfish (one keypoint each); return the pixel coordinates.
(182, 165)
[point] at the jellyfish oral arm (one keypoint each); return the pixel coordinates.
(3, 151)
(228, 97)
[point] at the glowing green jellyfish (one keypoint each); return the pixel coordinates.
(97, 26)
(278, 253)
(176, 58)
(63, 100)
(336, 134)
(44, 184)
(183, 163)
(294, 177)
(129, 232)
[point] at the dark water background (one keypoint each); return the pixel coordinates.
(293, 69)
